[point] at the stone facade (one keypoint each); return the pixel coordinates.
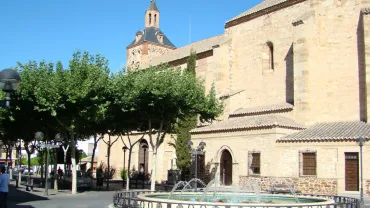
(306, 185)
(312, 54)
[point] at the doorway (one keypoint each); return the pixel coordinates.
(226, 168)
(351, 171)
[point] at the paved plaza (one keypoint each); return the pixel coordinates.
(19, 197)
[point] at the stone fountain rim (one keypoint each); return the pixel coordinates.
(144, 197)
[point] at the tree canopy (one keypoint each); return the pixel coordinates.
(86, 99)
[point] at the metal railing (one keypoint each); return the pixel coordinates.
(128, 199)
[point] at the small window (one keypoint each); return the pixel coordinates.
(271, 55)
(268, 58)
(255, 165)
(308, 163)
(150, 18)
(155, 19)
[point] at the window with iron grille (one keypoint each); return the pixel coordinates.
(255, 165)
(309, 163)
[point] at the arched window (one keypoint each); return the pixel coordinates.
(271, 55)
(150, 18)
(268, 58)
(155, 19)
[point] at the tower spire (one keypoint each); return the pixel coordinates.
(152, 15)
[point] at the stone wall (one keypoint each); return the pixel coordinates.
(307, 185)
(134, 55)
(155, 51)
(367, 187)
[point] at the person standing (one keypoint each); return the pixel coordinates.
(4, 187)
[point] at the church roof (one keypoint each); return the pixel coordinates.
(198, 47)
(153, 6)
(149, 34)
(262, 109)
(266, 6)
(333, 131)
(248, 123)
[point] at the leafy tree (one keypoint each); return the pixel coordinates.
(191, 63)
(34, 161)
(183, 127)
(68, 95)
(161, 95)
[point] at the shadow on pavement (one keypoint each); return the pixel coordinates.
(18, 196)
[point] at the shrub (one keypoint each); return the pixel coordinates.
(124, 174)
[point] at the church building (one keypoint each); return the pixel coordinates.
(294, 78)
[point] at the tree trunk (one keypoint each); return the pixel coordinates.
(108, 161)
(73, 161)
(93, 155)
(6, 154)
(154, 169)
(11, 162)
(28, 155)
(56, 176)
(42, 165)
(128, 169)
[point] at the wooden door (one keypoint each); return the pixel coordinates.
(226, 172)
(351, 171)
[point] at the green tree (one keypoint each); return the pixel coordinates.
(161, 95)
(183, 128)
(68, 95)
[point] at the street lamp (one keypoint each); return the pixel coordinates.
(124, 148)
(361, 141)
(144, 147)
(194, 153)
(39, 136)
(9, 82)
(19, 179)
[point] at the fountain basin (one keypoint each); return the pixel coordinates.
(228, 200)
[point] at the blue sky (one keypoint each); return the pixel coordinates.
(53, 30)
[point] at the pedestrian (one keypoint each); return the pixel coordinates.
(60, 173)
(4, 187)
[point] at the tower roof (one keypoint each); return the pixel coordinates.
(149, 34)
(153, 6)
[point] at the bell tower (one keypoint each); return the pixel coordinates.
(149, 43)
(152, 15)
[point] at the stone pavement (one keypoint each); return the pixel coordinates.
(62, 199)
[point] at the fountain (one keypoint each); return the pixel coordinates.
(217, 194)
(189, 185)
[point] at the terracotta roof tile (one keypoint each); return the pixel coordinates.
(262, 109)
(346, 130)
(245, 123)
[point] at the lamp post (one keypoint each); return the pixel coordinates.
(19, 176)
(124, 148)
(144, 147)
(195, 152)
(39, 136)
(361, 141)
(9, 82)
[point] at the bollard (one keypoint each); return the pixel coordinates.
(16, 183)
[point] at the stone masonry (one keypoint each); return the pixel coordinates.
(305, 185)
(311, 54)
